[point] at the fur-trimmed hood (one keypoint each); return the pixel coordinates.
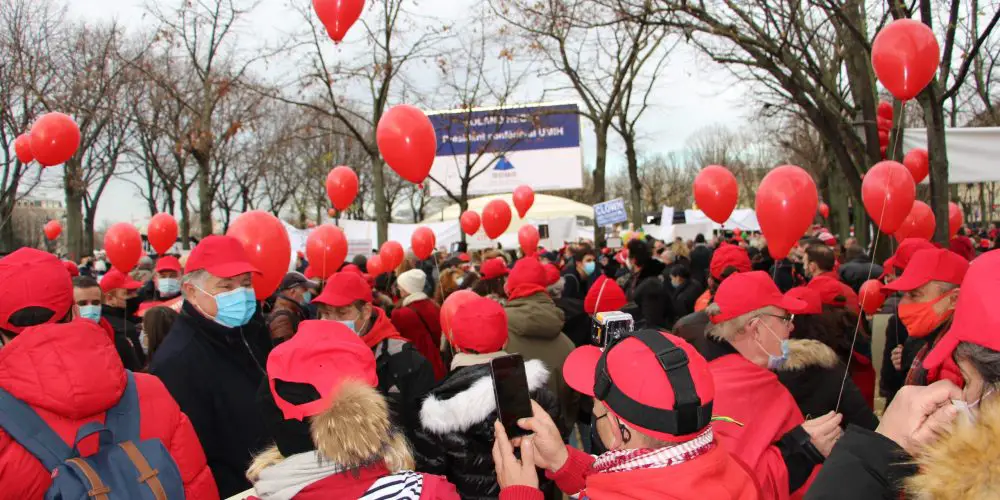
(964, 465)
(805, 353)
(466, 398)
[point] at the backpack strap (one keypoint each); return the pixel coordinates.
(421, 318)
(147, 474)
(31, 432)
(98, 490)
(123, 417)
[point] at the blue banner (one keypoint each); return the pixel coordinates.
(610, 212)
(472, 132)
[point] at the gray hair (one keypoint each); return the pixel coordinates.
(986, 361)
(728, 330)
(196, 278)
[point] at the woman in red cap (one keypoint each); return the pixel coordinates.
(493, 276)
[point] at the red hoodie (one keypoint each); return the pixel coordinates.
(70, 374)
(420, 323)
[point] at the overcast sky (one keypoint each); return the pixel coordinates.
(692, 94)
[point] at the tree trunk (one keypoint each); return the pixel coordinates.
(635, 187)
(185, 221)
(8, 242)
(599, 166)
(938, 152)
(463, 205)
(88, 231)
(205, 197)
(381, 210)
(74, 209)
(982, 203)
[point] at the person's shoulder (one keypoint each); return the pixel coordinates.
(153, 393)
(176, 351)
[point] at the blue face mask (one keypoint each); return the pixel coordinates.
(350, 324)
(776, 362)
(307, 297)
(589, 267)
(92, 313)
(235, 308)
(168, 287)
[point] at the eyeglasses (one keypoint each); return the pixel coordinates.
(787, 320)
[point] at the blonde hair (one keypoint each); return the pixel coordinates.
(680, 249)
(354, 432)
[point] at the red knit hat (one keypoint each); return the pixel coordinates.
(604, 295)
(479, 326)
(634, 385)
(727, 256)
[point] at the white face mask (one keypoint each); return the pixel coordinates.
(967, 409)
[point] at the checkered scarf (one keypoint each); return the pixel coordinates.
(645, 458)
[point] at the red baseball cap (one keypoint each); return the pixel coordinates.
(323, 354)
(633, 371)
(169, 263)
(479, 326)
(71, 268)
(344, 289)
(814, 304)
(907, 249)
(833, 292)
(931, 265)
(888, 267)
(551, 274)
(222, 256)
(604, 295)
(975, 320)
(33, 278)
(464, 257)
(116, 279)
(747, 292)
(494, 268)
(727, 256)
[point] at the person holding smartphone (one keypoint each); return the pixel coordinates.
(656, 423)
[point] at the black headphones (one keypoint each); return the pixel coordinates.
(689, 414)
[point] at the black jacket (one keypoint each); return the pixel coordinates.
(404, 378)
(653, 307)
(814, 374)
(701, 260)
(685, 297)
(787, 275)
(125, 328)
(890, 379)
(574, 286)
(864, 465)
(857, 271)
(214, 372)
(456, 422)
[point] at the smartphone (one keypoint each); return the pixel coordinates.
(510, 387)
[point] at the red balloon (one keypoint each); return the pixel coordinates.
(883, 124)
(450, 307)
(407, 142)
(392, 254)
(162, 232)
(883, 137)
(918, 224)
(332, 212)
(266, 242)
(52, 229)
(786, 204)
(888, 192)
(824, 210)
(338, 15)
(326, 249)
(123, 246)
(422, 242)
(955, 218)
(342, 187)
(870, 296)
(524, 197)
(715, 192)
(905, 56)
(310, 225)
(881, 149)
(54, 139)
(916, 162)
(496, 218)
(884, 111)
(375, 265)
(22, 148)
(470, 222)
(527, 236)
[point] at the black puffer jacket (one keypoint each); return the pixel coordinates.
(457, 419)
(649, 300)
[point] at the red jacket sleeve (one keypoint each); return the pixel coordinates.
(572, 477)
(521, 493)
(438, 488)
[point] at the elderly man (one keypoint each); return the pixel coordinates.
(751, 322)
(213, 359)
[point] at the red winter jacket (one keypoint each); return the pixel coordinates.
(70, 374)
(420, 323)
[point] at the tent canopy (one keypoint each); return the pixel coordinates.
(972, 152)
(545, 207)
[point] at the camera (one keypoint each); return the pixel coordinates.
(609, 328)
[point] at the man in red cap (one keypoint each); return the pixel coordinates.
(88, 303)
(654, 397)
(69, 373)
(405, 376)
(726, 261)
(930, 287)
(212, 360)
(121, 302)
(751, 323)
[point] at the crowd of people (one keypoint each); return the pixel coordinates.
(745, 377)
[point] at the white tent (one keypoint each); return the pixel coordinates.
(972, 152)
(545, 207)
(744, 219)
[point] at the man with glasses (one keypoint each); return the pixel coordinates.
(748, 338)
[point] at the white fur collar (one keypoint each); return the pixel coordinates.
(473, 405)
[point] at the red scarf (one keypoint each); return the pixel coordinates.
(524, 290)
(381, 330)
